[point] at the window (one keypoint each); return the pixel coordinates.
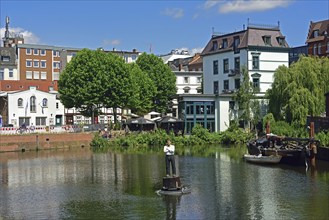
(40, 120)
(5, 58)
(255, 62)
(11, 73)
(225, 66)
(57, 105)
(2, 73)
(36, 75)
(55, 53)
(43, 52)
(44, 102)
(237, 63)
(319, 48)
(199, 79)
(216, 87)
(186, 90)
(133, 57)
(199, 90)
(281, 41)
(237, 83)
(35, 52)
(55, 75)
(43, 75)
(35, 63)
(267, 40)
(214, 45)
(28, 51)
(226, 85)
(186, 80)
(33, 104)
(314, 49)
(315, 33)
(236, 45)
(20, 103)
(28, 63)
(255, 82)
(28, 74)
(231, 105)
(215, 67)
(51, 88)
(56, 65)
(225, 44)
(43, 64)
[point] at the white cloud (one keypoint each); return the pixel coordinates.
(191, 51)
(211, 3)
(196, 50)
(173, 12)
(113, 42)
(29, 37)
(252, 5)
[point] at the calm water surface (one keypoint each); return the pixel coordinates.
(79, 184)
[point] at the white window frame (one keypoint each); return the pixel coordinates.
(29, 61)
(28, 51)
(28, 75)
(43, 75)
(11, 73)
(35, 51)
(20, 103)
(36, 62)
(186, 80)
(36, 75)
(43, 62)
(43, 52)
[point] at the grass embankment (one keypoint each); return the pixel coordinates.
(151, 141)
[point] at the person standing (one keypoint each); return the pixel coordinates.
(169, 149)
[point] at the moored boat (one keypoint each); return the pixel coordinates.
(293, 151)
(272, 159)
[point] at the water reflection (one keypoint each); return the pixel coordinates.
(79, 184)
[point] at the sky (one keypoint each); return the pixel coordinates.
(153, 26)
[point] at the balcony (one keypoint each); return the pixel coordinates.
(227, 91)
(234, 72)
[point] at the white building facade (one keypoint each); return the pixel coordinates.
(260, 50)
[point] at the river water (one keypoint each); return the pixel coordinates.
(80, 184)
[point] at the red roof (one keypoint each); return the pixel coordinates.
(20, 85)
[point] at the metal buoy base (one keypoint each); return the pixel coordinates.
(172, 186)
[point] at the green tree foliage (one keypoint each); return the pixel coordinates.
(163, 78)
(299, 91)
(144, 89)
(95, 79)
(249, 107)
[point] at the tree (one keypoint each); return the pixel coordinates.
(95, 79)
(243, 97)
(141, 101)
(298, 91)
(163, 78)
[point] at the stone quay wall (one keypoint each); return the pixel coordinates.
(44, 141)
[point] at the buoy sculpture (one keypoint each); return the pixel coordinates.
(171, 184)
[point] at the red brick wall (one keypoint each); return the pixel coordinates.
(44, 141)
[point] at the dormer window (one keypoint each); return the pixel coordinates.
(315, 33)
(225, 44)
(214, 45)
(281, 41)
(267, 40)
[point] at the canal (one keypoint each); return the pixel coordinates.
(80, 184)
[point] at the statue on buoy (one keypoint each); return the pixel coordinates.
(171, 183)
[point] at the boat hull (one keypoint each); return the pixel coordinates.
(262, 159)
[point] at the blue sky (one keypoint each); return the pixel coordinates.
(157, 26)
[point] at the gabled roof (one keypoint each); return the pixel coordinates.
(322, 27)
(253, 36)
